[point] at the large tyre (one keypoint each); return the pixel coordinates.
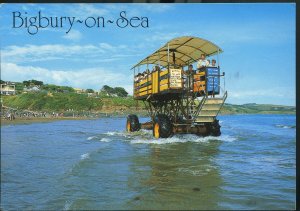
(162, 126)
(132, 123)
(215, 128)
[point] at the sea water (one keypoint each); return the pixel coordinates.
(95, 164)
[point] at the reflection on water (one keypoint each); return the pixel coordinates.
(178, 176)
(95, 164)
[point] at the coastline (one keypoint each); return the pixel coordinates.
(31, 120)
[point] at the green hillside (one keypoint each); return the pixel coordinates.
(253, 108)
(61, 102)
(55, 102)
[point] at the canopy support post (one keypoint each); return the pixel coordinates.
(147, 64)
(168, 56)
(133, 81)
(218, 59)
(158, 58)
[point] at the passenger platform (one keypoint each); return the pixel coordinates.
(175, 81)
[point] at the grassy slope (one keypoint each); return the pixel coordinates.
(56, 102)
(257, 109)
(78, 102)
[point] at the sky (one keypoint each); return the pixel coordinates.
(258, 40)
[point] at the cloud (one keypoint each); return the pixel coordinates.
(110, 11)
(89, 10)
(93, 78)
(162, 37)
(34, 53)
(279, 92)
(259, 32)
(73, 35)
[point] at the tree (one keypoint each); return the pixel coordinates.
(26, 83)
(35, 82)
(89, 91)
(120, 91)
(19, 87)
(2, 82)
(107, 89)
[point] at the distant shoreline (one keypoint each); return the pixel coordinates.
(31, 120)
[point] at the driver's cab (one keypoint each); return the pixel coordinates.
(207, 81)
(202, 81)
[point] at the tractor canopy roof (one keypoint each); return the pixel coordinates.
(182, 51)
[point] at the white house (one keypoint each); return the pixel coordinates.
(8, 89)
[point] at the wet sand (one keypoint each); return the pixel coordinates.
(38, 119)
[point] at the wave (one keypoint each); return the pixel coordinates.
(285, 126)
(198, 170)
(84, 156)
(105, 140)
(95, 138)
(112, 133)
(91, 138)
(146, 137)
(183, 139)
(227, 138)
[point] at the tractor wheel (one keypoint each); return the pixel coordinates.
(215, 128)
(162, 126)
(132, 123)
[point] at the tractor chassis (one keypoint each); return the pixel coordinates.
(199, 129)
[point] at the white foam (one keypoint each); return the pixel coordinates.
(67, 205)
(227, 138)
(146, 137)
(284, 126)
(193, 172)
(85, 156)
(182, 139)
(91, 138)
(105, 140)
(111, 133)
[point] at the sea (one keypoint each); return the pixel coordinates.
(97, 165)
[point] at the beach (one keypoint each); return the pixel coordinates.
(30, 120)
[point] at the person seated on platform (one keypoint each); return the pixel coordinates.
(136, 78)
(140, 76)
(143, 75)
(208, 63)
(202, 62)
(190, 69)
(213, 63)
(188, 78)
(157, 68)
(147, 74)
(153, 69)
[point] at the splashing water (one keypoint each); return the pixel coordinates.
(84, 156)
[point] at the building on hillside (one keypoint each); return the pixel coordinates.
(8, 88)
(32, 89)
(79, 91)
(92, 94)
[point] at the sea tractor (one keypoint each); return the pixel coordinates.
(179, 97)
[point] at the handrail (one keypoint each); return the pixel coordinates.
(223, 100)
(199, 108)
